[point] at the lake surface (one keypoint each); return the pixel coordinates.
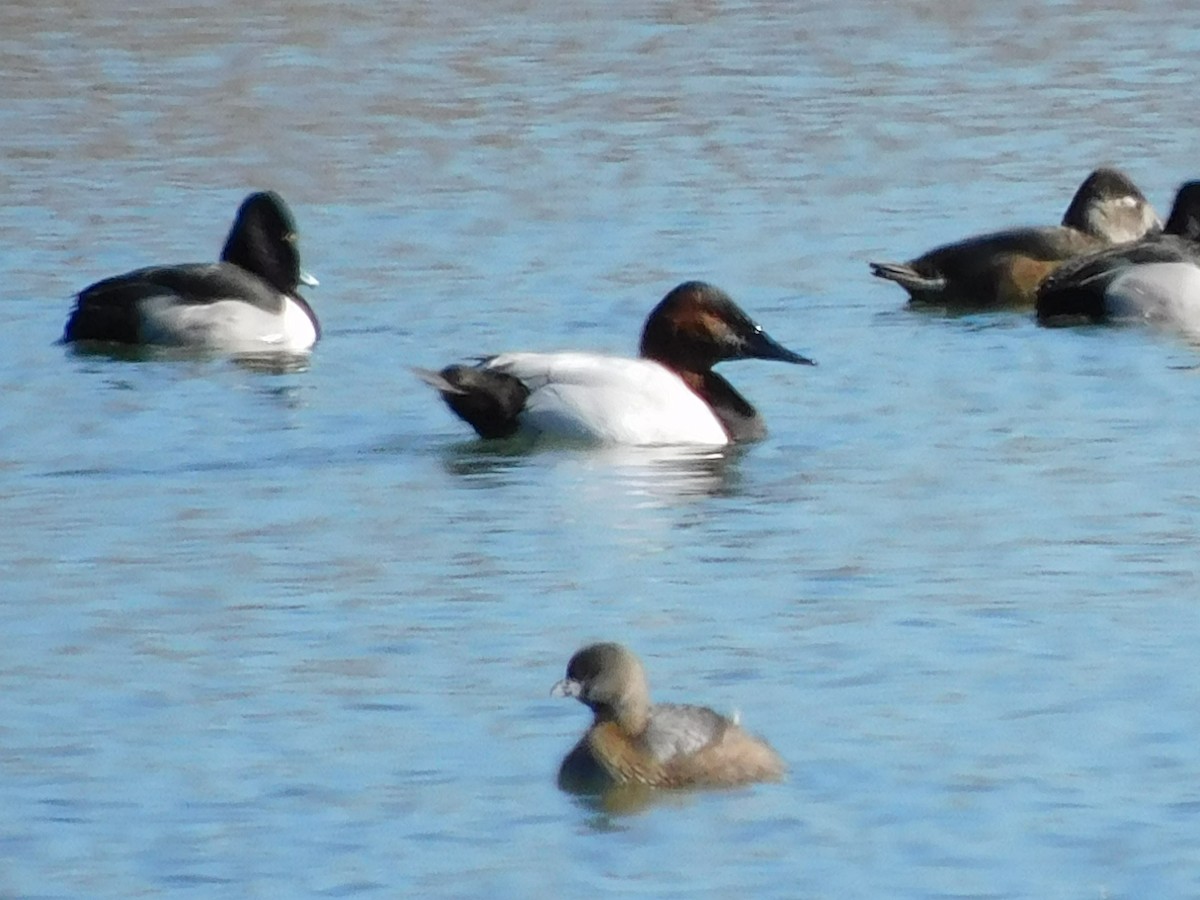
(292, 634)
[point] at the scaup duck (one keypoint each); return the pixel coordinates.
(1155, 279)
(245, 302)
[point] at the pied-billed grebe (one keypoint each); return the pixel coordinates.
(633, 742)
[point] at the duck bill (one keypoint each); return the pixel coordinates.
(761, 345)
(568, 687)
(308, 279)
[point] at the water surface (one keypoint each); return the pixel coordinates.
(292, 633)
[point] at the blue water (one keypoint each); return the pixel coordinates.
(292, 634)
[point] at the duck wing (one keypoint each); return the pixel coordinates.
(195, 283)
(677, 730)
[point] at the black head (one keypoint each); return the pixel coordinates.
(697, 325)
(1185, 214)
(263, 241)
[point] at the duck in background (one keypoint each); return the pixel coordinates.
(1156, 279)
(633, 743)
(247, 302)
(670, 395)
(1002, 270)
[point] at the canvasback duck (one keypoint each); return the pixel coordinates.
(1003, 269)
(632, 742)
(245, 302)
(1154, 279)
(670, 395)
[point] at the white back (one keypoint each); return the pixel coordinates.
(611, 399)
(1166, 293)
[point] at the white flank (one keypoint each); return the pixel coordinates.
(227, 325)
(611, 399)
(1165, 293)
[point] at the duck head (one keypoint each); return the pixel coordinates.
(610, 681)
(1108, 205)
(1185, 214)
(698, 325)
(263, 241)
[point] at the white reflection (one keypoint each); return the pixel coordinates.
(663, 474)
(649, 475)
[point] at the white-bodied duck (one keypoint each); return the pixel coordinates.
(670, 395)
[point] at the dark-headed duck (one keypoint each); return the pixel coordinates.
(670, 395)
(1154, 279)
(634, 743)
(1003, 269)
(245, 302)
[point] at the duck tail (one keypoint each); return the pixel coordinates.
(487, 400)
(907, 277)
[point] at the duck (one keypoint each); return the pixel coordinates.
(633, 743)
(247, 301)
(668, 395)
(1154, 279)
(1002, 270)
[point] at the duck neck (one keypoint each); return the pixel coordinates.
(740, 420)
(277, 263)
(630, 714)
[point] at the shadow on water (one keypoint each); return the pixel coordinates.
(627, 800)
(262, 362)
(607, 810)
(1183, 332)
(273, 363)
(968, 319)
